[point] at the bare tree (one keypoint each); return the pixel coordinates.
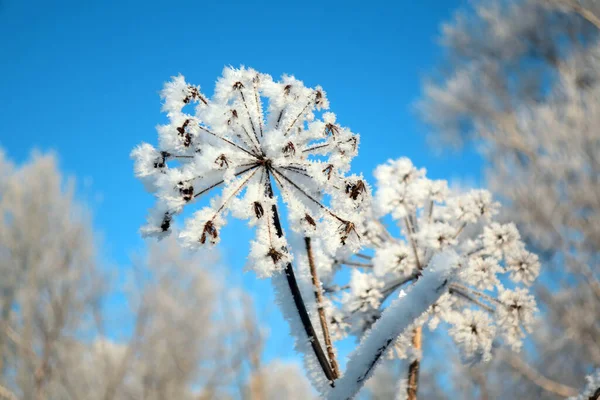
(523, 84)
(50, 283)
(178, 332)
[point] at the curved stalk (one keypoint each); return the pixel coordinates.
(299, 301)
(321, 309)
(413, 369)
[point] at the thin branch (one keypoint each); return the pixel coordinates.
(299, 172)
(584, 12)
(227, 141)
(6, 394)
(413, 244)
(258, 105)
(460, 229)
(235, 192)
(413, 370)
(297, 117)
(466, 296)
(326, 209)
(354, 263)
(249, 116)
(336, 288)
(321, 308)
(316, 147)
(222, 181)
(298, 301)
(477, 293)
(534, 376)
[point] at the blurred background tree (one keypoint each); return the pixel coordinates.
(177, 333)
(520, 83)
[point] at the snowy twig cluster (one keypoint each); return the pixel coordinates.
(259, 140)
(489, 297)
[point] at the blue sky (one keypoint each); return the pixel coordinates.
(82, 78)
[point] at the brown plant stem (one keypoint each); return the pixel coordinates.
(536, 377)
(321, 309)
(413, 369)
(299, 302)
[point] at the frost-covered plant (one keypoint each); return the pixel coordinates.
(489, 298)
(255, 134)
(256, 138)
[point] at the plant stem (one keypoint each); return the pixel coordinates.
(413, 369)
(299, 302)
(401, 314)
(321, 309)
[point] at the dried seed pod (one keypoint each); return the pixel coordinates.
(209, 231)
(259, 211)
(331, 129)
(353, 190)
(166, 222)
(161, 161)
(275, 255)
(222, 161)
(289, 149)
(328, 171)
(310, 220)
(186, 191)
(346, 229)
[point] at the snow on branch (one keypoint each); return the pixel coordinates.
(394, 320)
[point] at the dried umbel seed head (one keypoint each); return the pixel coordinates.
(187, 191)
(310, 220)
(166, 222)
(331, 129)
(259, 211)
(181, 129)
(275, 255)
(289, 149)
(222, 161)
(319, 97)
(194, 94)
(355, 189)
(346, 229)
(184, 135)
(328, 171)
(352, 142)
(160, 162)
(209, 231)
(255, 133)
(234, 115)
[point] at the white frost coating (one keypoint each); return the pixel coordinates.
(431, 218)
(254, 134)
(394, 320)
(302, 345)
(402, 390)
